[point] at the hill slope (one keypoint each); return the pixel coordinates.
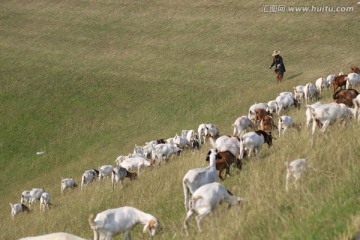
(85, 81)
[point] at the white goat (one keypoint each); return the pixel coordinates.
(320, 84)
(31, 196)
(299, 93)
(285, 102)
(241, 124)
(272, 107)
(136, 163)
(25, 196)
(119, 174)
(329, 80)
(201, 133)
(190, 135)
(67, 183)
(310, 92)
(89, 176)
(164, 151)
(286, 122)
(326, 115)
(112, 222)
(45, 201)
(197, 177)
(226, 143)
(211, 130)
(54, 236)
(181, 142)
(294, 170)
(17, 208)
(253, 141)
(204, 201)
(351, 80)
(105, 171)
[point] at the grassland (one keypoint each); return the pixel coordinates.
(87, 80)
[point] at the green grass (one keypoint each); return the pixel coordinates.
(87, 80)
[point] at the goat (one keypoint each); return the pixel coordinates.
(31, 196)
(260, 114)
(135, 163)
(224, 161)
(164, 151)
(204, 201)
(294, 170)
(286, 101)
(89, 176)
(253, 141)
(286, 122)
(310, 92)
(272, 107)
(352, 79)
(345, 96)
(112, 222)
(197, 177)
(299, 93)
(328, 81)
(326, 114)
(54, 236)
(67, 183)
(211, 130)
(267, 123)
(251, 113)
(241, 124)
(339, 82)
(190, 135)
(17, 208)
(119, 174)
(25, 196)
(205, 130)
(45, 201)
(320, 84)
(105, 171)
(226, 143)
(181, 142)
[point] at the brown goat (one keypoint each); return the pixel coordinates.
(339, 82)
(345, 96)
(267, 123)
(260, 113)
(225, 159)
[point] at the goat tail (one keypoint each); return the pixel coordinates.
(91, 222)
(193, 201)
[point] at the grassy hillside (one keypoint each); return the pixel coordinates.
(87, 80)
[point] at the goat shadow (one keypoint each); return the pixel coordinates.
(294, 76)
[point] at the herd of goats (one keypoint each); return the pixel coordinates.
(202, 190)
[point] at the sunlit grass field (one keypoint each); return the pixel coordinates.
(84, 81)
